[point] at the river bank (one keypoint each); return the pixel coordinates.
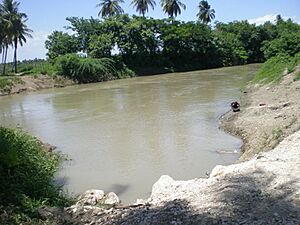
(19, 84)
(268, 115)
(262, 190)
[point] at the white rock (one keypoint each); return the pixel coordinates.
(91, 197)
(217, 171)
(162, 187)
(111, 199)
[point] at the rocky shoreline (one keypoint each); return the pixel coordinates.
(263, 188)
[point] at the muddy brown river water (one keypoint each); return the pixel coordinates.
(123, 135)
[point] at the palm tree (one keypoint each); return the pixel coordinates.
(14, 29)
(20, 33)
(172, 7)
(110, 8)
(2, 32)
(205, 15)
(142, 5)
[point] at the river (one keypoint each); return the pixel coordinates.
(123, 135)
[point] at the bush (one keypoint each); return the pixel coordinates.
(26, 174)
(288, 43)
(85, 70)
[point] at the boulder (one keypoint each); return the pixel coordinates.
(111, 199)
(161, 188)
(91, 197)
(217, 171)
(98, 197)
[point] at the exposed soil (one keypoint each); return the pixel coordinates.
(34, 83)
(268, 115)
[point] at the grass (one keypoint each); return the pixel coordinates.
(6, 82)
(273, 70)
(297, 76)
(26, 174)
(31, 67)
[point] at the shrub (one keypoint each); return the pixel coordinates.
(287, 43)
(85, 70)
(26, 174)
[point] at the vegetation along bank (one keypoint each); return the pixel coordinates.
(264, 189)
(118, 45)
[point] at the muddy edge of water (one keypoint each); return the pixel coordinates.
(184, 119)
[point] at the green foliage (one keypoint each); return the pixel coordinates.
(100, 45)
(297, 76)
(85, 70)
(287, 43)
(7, 82)
(172, 7)
(60, 43)
(37, 67)
(206, 14)
(148, 45)
(294, 62)
(142, 6)
(33, 67)
(13, 30)
(26, 174)
(110, 8)
(272, 70)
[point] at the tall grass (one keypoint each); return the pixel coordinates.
(31, 67)
(26, 174)
(6, 82)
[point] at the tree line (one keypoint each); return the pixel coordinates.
(13, 30)
(148, 45)
(172, 8)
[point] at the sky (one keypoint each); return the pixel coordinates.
(45, 16)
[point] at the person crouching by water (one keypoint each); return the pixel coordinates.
(235, 106)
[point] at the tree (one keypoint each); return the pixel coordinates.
(2, 33)
(279, 19)
(172, 7)
(20, 33)
(60, 43)
(110, 8)
(206, 14)
(142, 5)
(14, 28)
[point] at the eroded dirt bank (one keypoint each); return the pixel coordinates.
(33, 83)
(263, 190)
